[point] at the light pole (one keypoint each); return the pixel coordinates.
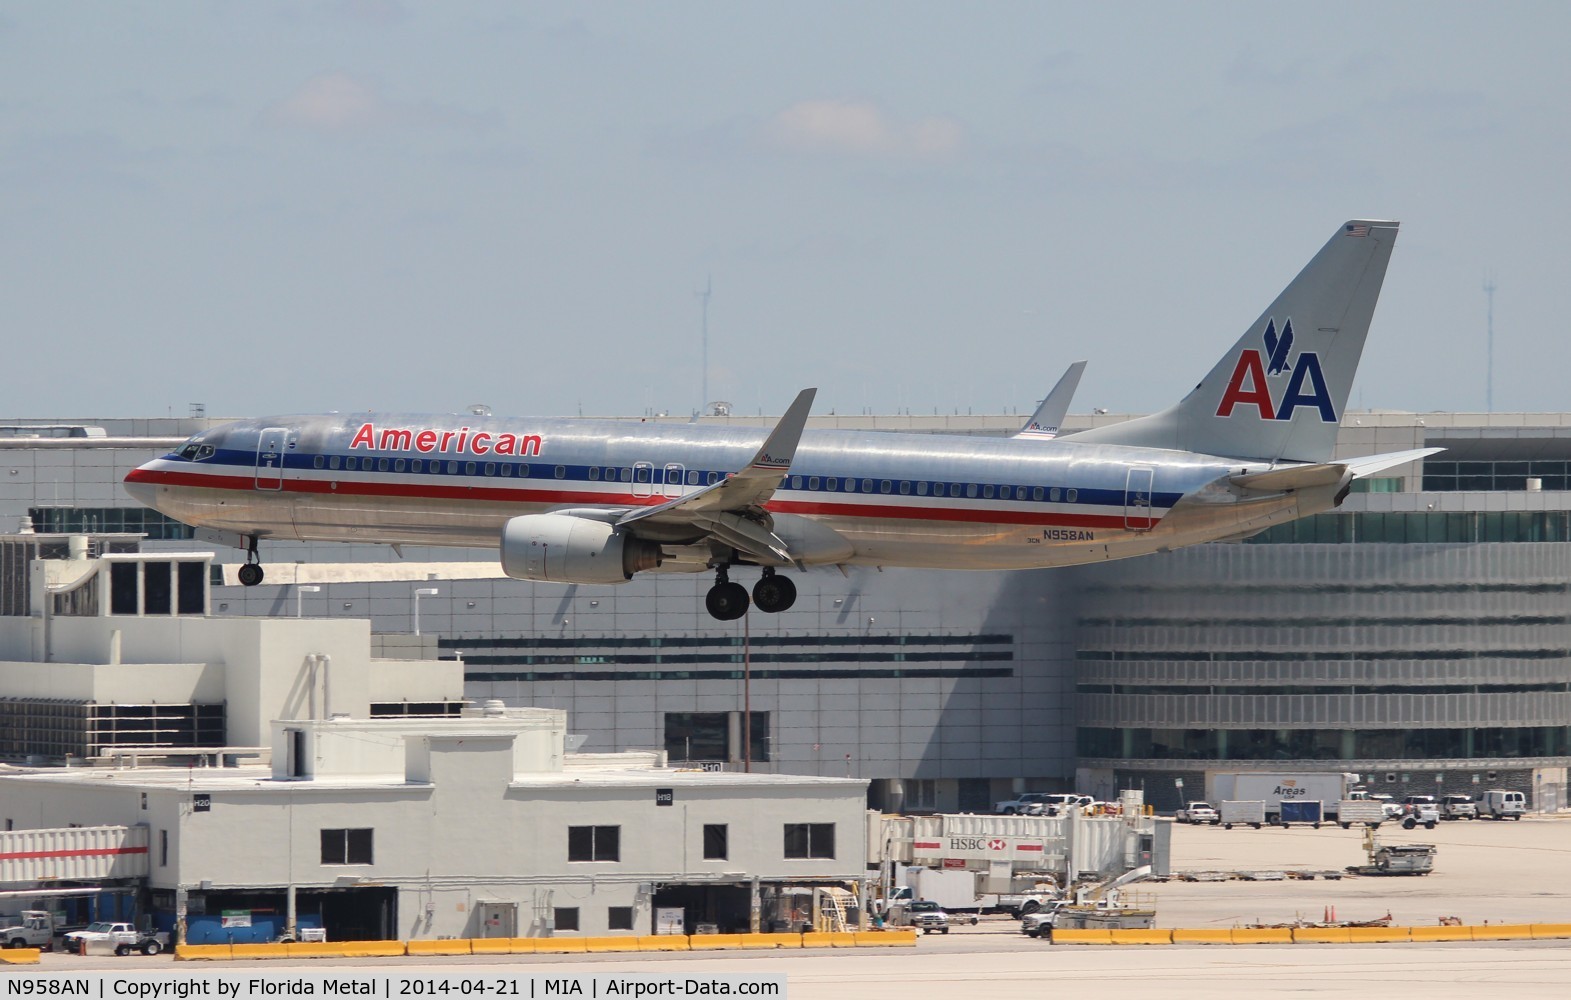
(300, 593)
(419, 593)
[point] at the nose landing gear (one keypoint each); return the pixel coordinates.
(728, 601)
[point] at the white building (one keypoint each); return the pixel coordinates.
(406, 825)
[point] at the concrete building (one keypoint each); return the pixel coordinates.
(1421, 631)
(287, 779)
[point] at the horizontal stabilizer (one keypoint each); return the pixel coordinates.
(1299, 477)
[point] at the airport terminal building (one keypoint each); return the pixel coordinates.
(1420, 635)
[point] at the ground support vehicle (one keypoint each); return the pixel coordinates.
(118, 937)
(1293, 811)
(1275, 788)
(30, 929)
(1252, 813)
(1420, 812)
(1498, 803)
(1394, 859)
(1366, 811)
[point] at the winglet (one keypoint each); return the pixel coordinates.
(1049, 417)
(779, 448)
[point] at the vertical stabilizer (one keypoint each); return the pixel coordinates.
(1281, 390)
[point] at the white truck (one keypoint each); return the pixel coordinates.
(29, 929)
(1274, 788)
(103, 936)
(956, 891)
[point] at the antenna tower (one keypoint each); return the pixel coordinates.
(1489, 386)
(703, 400)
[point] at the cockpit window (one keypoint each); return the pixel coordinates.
(195, 452)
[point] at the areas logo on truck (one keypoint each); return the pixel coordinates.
(1290, 790)
(1256, 373)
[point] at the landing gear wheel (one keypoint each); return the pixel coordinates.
(774, 593)
(250, 574)
(726, 601)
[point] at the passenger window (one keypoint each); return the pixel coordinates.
(523, 470)
(954, 490)
(594, 473)
(883, 486)
(921, 488)
(398, 465)
(971, 490)
(905, 486)
(561, 472)
(416, 465)
(867, 486)
(643, 471)
(626, 475)
(1055, 494)
(714, 477)
(1020, 492)
(452, 468)
(469, 468)
(812, 482)
(334, 462)
(796, 482)
(490, 468)
(1037, 492)
(506, 470)
(850, 485)
(987, 492)
(316, 463)
(381, 465)
(352, 463)
(1073, 495)
(692, 477)
(832, 484)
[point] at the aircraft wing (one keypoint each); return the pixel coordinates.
(1049, 417)
(729, 510)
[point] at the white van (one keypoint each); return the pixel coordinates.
(1498, 804)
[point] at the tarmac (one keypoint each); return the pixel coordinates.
(1494, 872)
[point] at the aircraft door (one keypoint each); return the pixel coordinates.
(673, 480)
(643, 479)
(270, 458)
(1137, 500)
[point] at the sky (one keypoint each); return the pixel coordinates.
(292, 207)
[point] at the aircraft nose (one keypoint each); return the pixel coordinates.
(140, 491)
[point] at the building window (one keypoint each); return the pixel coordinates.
(693, 736)
(566, 918)
(163, 848)
(594, 843)
(922, 793)
(618, 918)
(346, 847)
(715, 847)
(809, 840)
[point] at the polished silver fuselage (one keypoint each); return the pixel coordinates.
(898, 499)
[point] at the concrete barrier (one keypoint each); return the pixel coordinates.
(19, 956)
(492, 946)
(627, 942)
(1262, 935)
(1379, 935)
(1552, 930)
(1322, 935)
(1141, 935)
(451, 946)
(1501, 932)
(832, 939)
(772, 940)
(663, 942)
(262, 951)
(371, 949)
(1440, 933)
(315, 949)
(559, 945)
(716, 942)
(202, 952)
(1203, 935)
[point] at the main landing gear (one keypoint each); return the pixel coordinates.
(727, 601)
(251, 573)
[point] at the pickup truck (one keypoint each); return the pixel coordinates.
(124, 938)
(1198, 812)
(928, 916)
(1021, 805)
(31, 929)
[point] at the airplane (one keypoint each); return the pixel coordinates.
(579, 501)
(1049, 416)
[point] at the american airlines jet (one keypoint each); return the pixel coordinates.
(595, 502)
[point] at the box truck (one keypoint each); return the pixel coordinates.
(1273, 788)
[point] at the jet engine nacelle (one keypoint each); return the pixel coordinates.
(561, 548)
